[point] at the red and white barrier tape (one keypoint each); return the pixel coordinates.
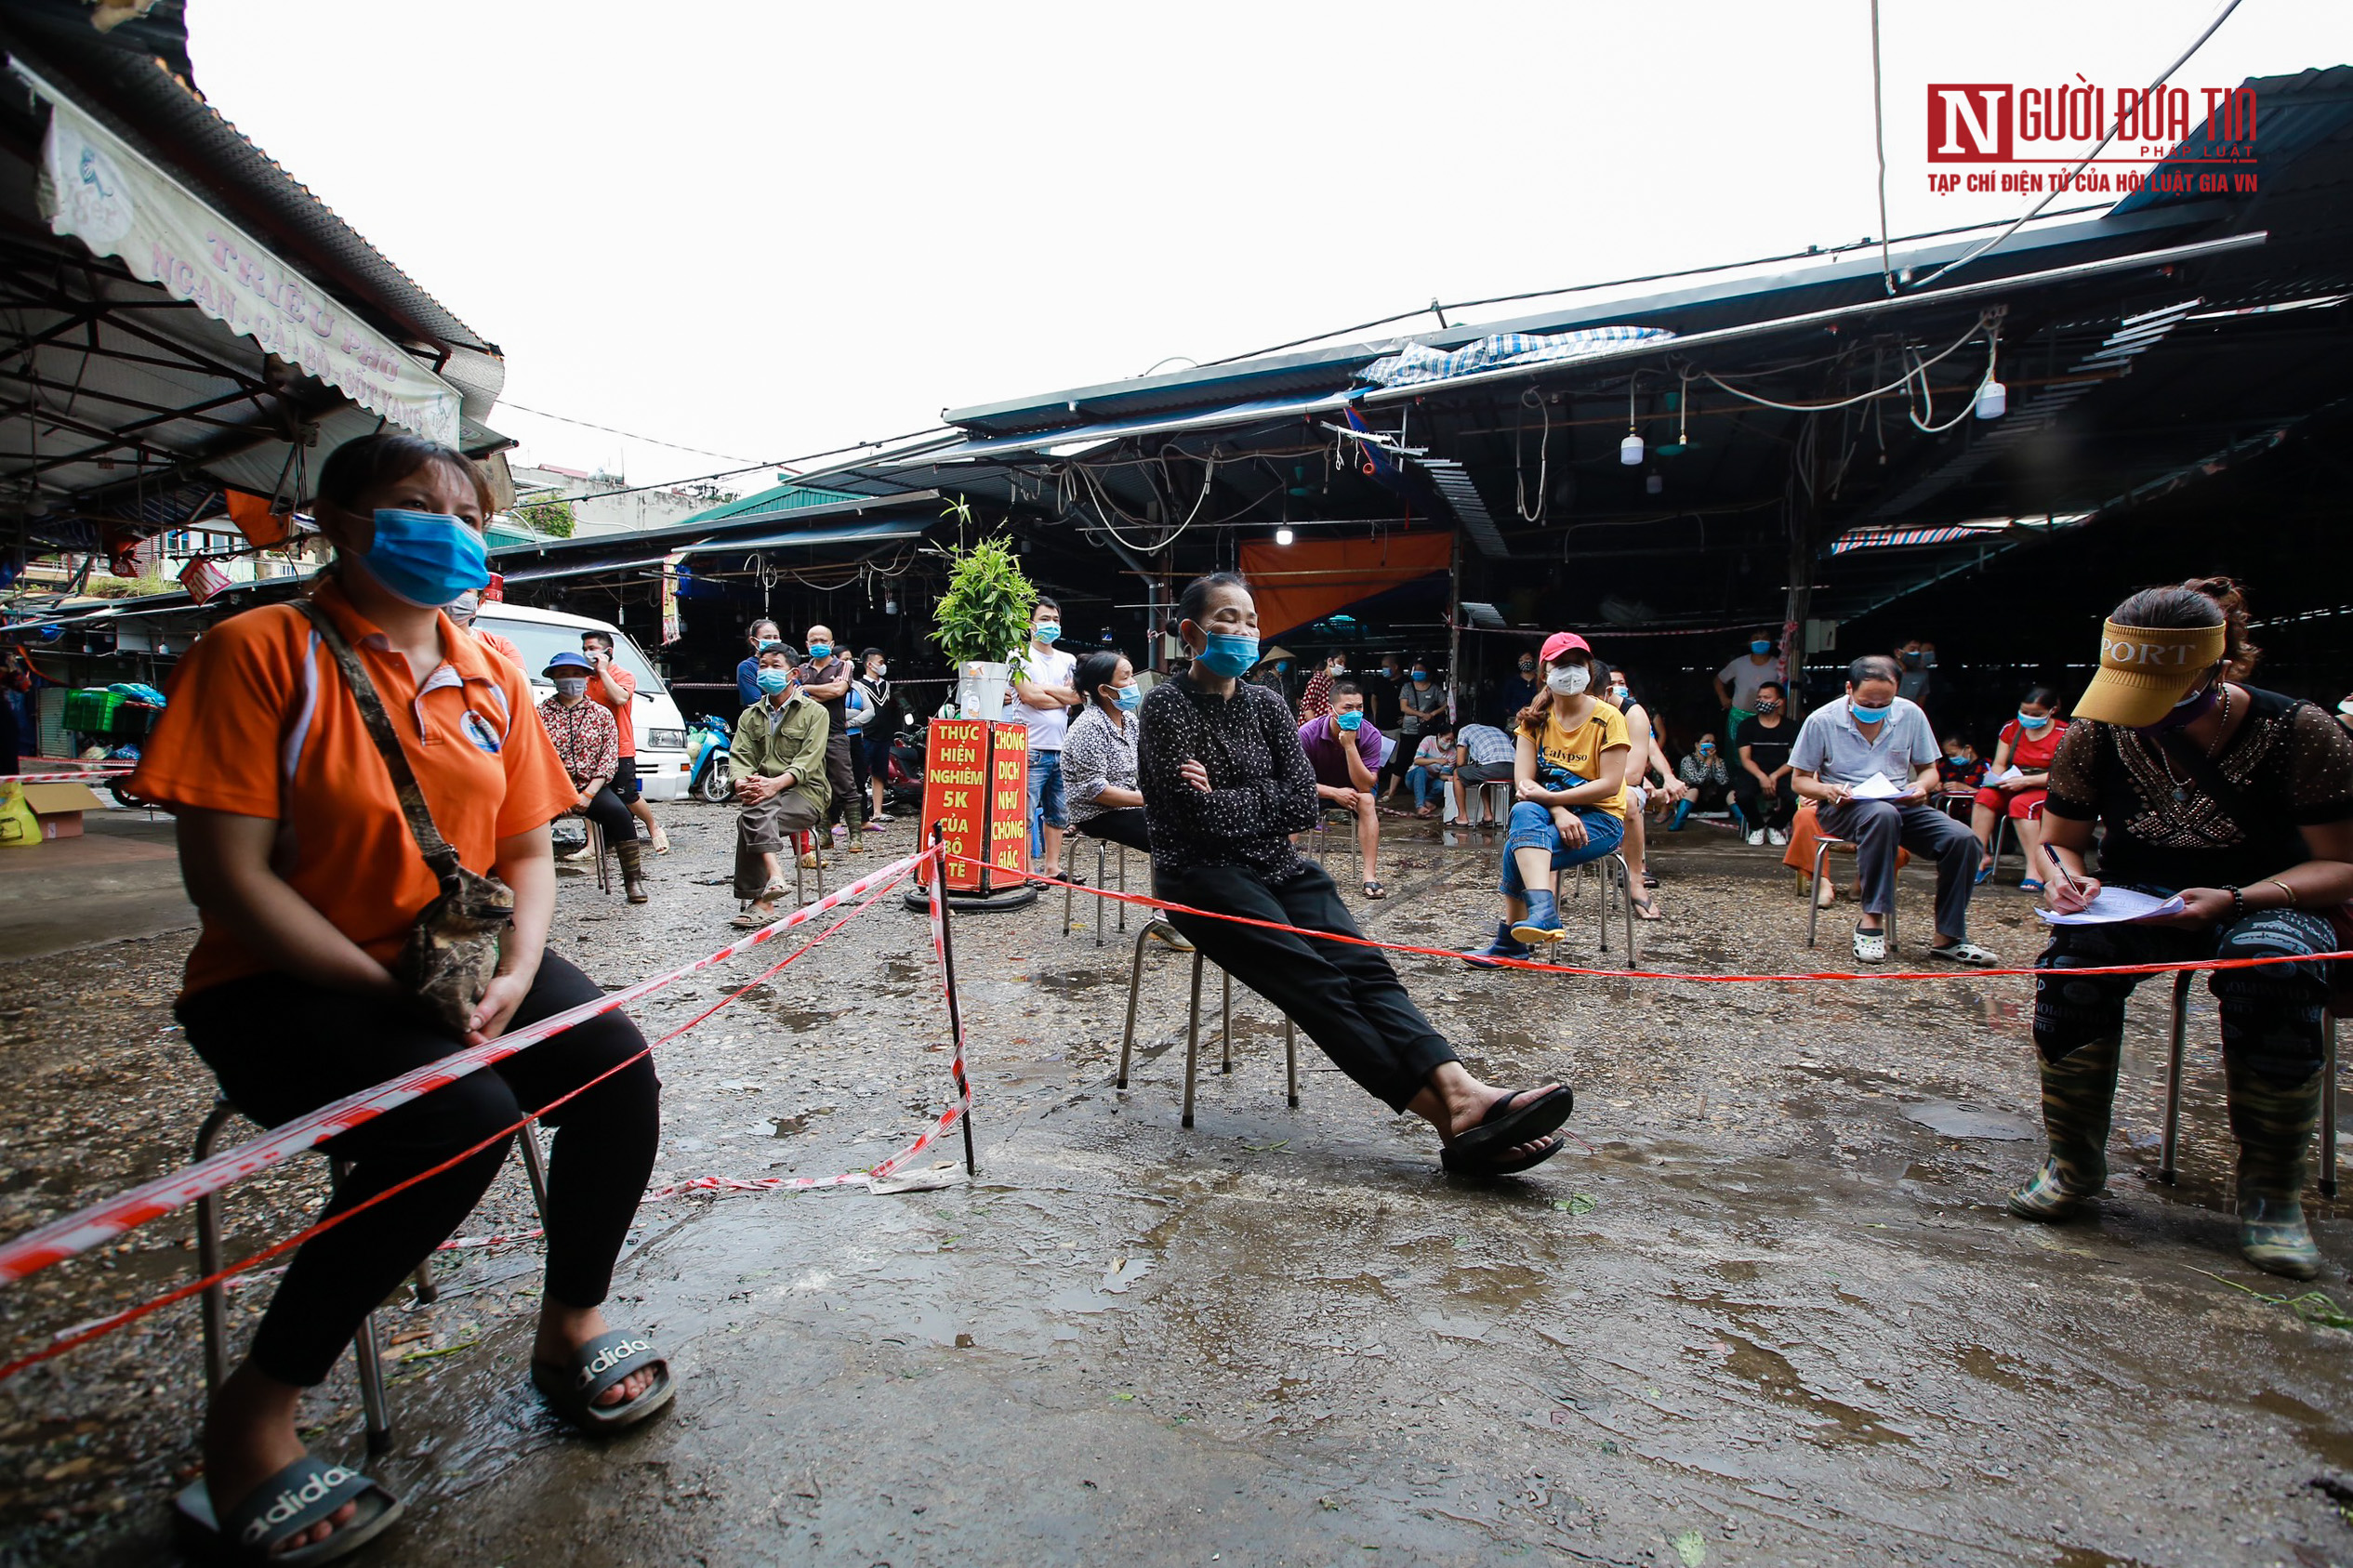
(103, 1221)
(98, 1328)
(1957, 973)
(84, 776)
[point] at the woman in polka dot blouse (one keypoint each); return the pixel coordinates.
(1226, 785)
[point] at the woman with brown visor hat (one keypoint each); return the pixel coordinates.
(2241, 801)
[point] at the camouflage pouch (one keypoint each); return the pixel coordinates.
(453, 950)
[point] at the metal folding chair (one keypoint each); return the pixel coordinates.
(366, 1350)
(1823, 845)
(809, 842)
(597, 847)
(1610, 874)
(1102, 847)
(1167, 933)
(2167, 1170)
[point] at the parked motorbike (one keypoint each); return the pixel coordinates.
(712, 777)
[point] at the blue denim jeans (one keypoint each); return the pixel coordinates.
(1427, 785)
(1532, 829)
(1046, 806)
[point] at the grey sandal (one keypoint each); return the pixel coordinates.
(304, 1494)
(608, 1359)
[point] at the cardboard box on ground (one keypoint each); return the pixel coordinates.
(42, 812)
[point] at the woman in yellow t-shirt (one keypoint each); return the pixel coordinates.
(1570, 780)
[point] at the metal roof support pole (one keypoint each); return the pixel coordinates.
(1799, 604)
(1151, 601)
(1454, 628)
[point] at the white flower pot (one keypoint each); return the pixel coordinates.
(980, 689)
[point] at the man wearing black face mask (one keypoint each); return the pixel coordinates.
(1519, 690)
(2239, 802)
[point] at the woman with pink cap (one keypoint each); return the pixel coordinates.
(1570, 797)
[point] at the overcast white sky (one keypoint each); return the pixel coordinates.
(765, 229)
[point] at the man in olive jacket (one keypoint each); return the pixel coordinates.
(779, 766)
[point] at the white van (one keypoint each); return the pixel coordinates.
(661, 762)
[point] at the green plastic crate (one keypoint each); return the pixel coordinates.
(92, 712)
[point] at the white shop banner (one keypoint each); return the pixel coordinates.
(102, 191)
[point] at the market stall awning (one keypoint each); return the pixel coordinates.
(97, 187)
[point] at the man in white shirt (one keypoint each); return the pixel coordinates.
(1736, 682)
(1482, 754)
(1880, 743)
(1044, 694)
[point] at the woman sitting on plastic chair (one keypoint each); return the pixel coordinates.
(1570, 779)
(2240, 801)
(1226, 785)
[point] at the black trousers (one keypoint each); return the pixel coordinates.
(1347, 998)
(2270, 1016)
(282, 1047)
(862, 764)
(846, 805)
(1121, 825)
(1749, 795)
(606, 811)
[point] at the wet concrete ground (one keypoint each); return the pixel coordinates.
(1774, 1314)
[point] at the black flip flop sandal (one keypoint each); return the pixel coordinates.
(1544, 1150)
(1375, 890)
(302, 1495)
(570, 1391)
(1519, 1118)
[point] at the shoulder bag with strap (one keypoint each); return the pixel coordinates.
(453, 950)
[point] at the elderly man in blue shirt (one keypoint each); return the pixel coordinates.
(1868, 762)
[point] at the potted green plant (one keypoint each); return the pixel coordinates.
(982, 621)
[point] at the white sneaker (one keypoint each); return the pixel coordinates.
(1774, 836)
(1756, 836)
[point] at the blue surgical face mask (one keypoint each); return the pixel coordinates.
(1351, 722)
(1868, 715)
(1130, 697)
(1706, 749)
(1048, 631)
(820, 650)
(2034, 723)
(1957, 759)
(772, 682)
(1420, 674)
(426, 558)
(1228, 655)
(1760, 646)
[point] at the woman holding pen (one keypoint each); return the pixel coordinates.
(2240, 801)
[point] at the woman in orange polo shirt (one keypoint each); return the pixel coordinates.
(309, 879)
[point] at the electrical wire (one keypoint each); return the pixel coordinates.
(610, 430)
(1543, 461)
(1860, 397)
(1879, 139)
(2065, 180)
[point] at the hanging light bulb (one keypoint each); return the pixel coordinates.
(1284, 536)
(1993, 398)
(1629, 450)
(1653, 484)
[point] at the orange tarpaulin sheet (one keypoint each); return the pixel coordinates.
(1298, 583)
(254, 519)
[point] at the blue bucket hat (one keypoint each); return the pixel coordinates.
(568, 661)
